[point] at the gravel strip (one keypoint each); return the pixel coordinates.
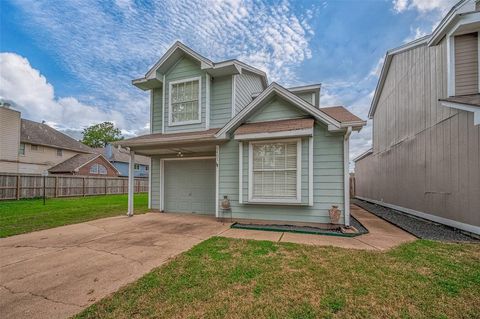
(419, 227)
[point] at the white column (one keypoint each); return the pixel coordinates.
(131, 181)
(346, 167)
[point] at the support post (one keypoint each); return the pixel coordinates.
(131, 181)
(346, 180)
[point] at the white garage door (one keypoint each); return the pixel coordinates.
(190, 186)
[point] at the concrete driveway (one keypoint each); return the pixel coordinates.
(56, 273)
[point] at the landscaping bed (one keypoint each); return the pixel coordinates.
(333, 230)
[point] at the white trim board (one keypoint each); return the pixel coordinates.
(257, 136)
(464, 107)
(449, 222)
(207, 100)
(240, 173)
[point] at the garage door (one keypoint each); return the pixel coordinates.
(190, 186)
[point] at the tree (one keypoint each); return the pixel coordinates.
(99, 135)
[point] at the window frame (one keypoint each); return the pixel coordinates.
(59, 152)
(20, 148)
(170, 85)
(275, 200)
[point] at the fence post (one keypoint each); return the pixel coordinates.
(105, 186)
(83, 186)
(17, 194)
(56, 187)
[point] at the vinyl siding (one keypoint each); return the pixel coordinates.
(276, 109)
(9, 134)
(185, 68)
(425, 156)
(305, 96)
(245, 85)
(327, 182)
(157, 110)
(221, 101)
(155, 182)
(466, 64)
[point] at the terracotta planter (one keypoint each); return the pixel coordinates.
(335, 214)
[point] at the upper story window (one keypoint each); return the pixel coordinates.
(21, 149)
(274, 171)
(98, 169)
(184, 102)
(59, 152)
(136, 166)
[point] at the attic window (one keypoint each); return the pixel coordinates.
(98, 169)
(184, 102)
(59, 152)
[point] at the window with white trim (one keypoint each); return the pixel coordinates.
(98, 169)
(274, 171)
(184, 99)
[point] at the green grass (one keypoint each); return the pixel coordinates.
(231, 278)
(23, 216)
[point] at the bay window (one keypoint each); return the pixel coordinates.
(275, 171)
(184, 102)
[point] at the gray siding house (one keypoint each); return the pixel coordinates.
(220, 131)
(425, 158)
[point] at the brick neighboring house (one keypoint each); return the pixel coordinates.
(119, 157)
(85, 165)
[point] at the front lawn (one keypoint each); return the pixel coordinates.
(230, 278)
(23, 216)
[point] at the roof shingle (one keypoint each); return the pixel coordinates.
(340, 114)
(42, 134)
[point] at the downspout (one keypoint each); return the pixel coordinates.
(346, 181)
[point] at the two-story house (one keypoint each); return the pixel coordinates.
(29, 147)
(221, 134)
(425, 159)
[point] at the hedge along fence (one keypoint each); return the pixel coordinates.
(19, 186)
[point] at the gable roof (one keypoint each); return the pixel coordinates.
(42, 134)
(277, 89)
(178, 49)
(120, 154)
(76, 162)
(460, 8)
(341, 114)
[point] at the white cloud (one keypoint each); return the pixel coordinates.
(104, 47)
(415, 33)
(35, 97)
(423, 6)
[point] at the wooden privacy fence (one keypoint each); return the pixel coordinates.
(18, 186)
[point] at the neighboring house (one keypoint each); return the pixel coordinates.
(425, 158)
(85, 165)
(218, 130)
(119, 157)
(32, 148)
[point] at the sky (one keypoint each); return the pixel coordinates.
(70, 62)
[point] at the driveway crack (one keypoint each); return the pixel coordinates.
(40, 296)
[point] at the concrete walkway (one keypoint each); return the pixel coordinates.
(382, 235)
(55, 273)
